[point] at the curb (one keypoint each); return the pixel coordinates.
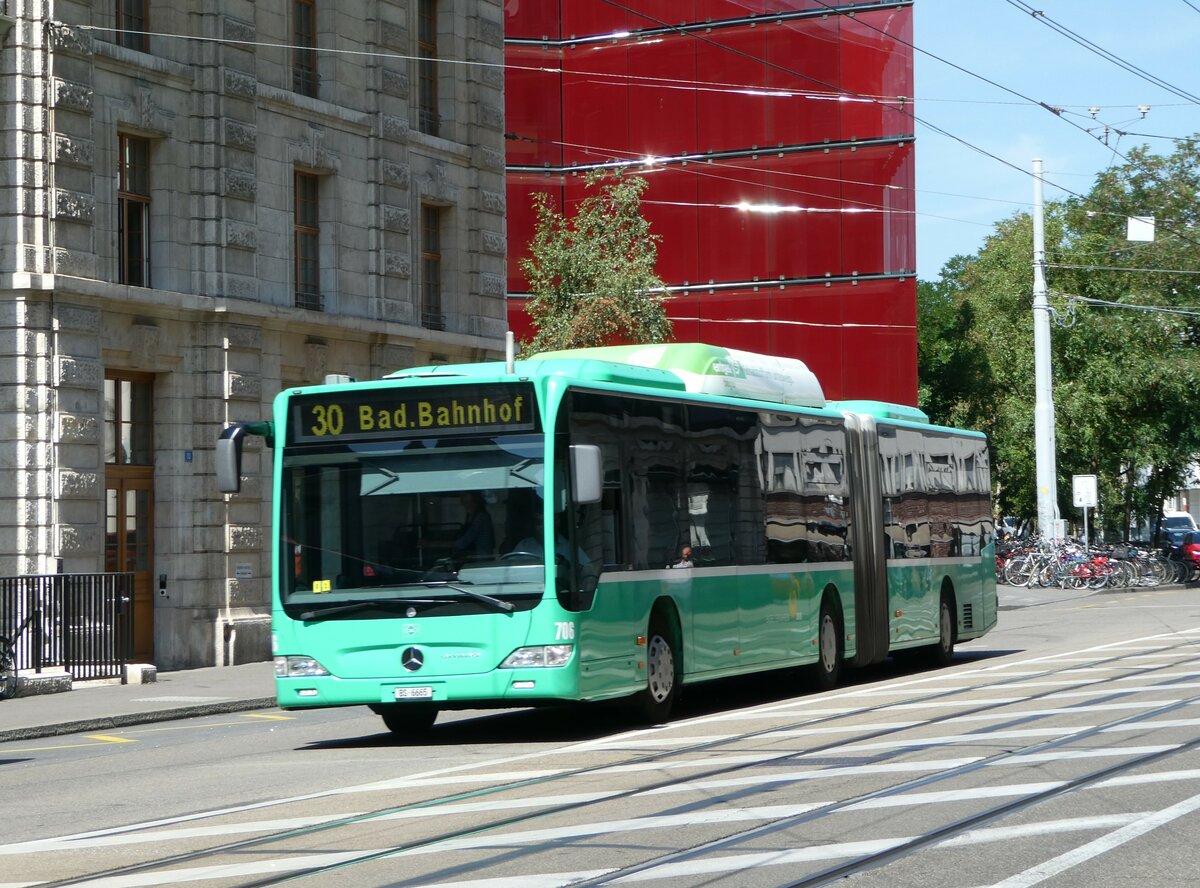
(108, 722)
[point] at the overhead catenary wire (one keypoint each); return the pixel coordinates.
(1074, 37)
(834, 91)
(1127, 268)
(1152, 309)
(1055, 110)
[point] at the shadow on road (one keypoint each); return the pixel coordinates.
(578, 722)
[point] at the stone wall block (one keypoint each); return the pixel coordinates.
(492, 202)
(316, 361)
(492, 285)
(490, 34)
(397, 264)
(394, 35)
(79, 373)
(74, 151)
(492, 328)
(67, 39)
(243, 538)
(75, 539)
(490, 115)
(78, 318)
(397, 219)
(396, 174)
(395, 83)
(241, 387)
(74, 205)
(76, 429)
(397, 311)
(78, 485)
(238, 30)
(241, 235)
(493, 76)
(73, 262)
(243, 336)
(495, 243)
(240, 135)
(240, 84)
(387, 358)
(395, 128)
(146, 345)
(239, 185)
(70, 96)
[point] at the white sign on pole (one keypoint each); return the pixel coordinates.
(1083, 490)
(1140, 229)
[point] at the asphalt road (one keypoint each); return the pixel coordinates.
(1062, 749)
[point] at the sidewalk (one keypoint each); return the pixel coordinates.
(100, 706)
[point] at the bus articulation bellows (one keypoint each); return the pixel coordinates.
(491, 535)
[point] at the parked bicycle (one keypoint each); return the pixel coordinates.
(8, 659)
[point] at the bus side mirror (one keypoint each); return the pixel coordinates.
(587, 474)
(229, 459)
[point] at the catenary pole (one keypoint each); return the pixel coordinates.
(1043, 413)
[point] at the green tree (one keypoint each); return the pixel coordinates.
(592, 275)
(1124, 379)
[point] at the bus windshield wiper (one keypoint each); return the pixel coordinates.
(470, 593)
(363, 604)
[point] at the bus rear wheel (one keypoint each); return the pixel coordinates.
(407, 720)
(827, 671)
(941, 653)
(654, 704)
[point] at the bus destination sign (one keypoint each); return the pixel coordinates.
(380, 413)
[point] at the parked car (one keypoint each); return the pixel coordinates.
(1186, 554)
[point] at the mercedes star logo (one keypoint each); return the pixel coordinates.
(412, 659)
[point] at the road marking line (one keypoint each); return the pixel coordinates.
(108, 738)
(281, 718)
(1055, 865)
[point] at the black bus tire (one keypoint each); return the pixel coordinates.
(655, 702)
(827, 671)
(942, 653)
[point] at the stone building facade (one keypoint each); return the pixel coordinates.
(202, 203)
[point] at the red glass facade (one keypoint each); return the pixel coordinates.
(782, 175)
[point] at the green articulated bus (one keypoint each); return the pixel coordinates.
(606, 523)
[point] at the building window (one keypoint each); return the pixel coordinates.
(304, 51)
(133, 24)
(133, 207)
(127, 420)
(427, 54)
(308, 243)
(431, 268)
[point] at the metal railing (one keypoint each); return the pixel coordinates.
(82, 623)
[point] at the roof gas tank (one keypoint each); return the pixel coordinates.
(714, 370)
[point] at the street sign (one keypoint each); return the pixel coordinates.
(1083, 490)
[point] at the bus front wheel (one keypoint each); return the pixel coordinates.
(407, 720)
(654, 704)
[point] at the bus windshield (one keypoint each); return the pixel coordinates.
(418, 520)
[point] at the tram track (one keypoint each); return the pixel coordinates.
(261, 841)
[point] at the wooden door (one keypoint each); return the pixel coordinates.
(129, 546)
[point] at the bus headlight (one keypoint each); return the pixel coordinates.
(293, 667)
(542, 655)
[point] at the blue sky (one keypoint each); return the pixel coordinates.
(961, 193)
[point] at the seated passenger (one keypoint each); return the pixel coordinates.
(685, 557)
